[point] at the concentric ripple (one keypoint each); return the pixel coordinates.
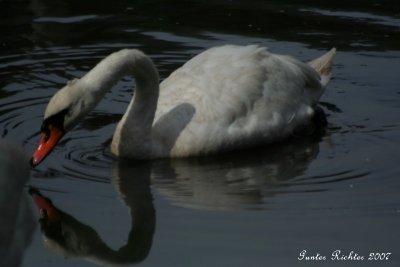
(29, 81)
(346, 154)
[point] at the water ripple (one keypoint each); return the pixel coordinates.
(76, 19)
(247, 178)
(29, 82)
(327, 178)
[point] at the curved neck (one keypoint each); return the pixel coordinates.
(136, 123)
(119, 64)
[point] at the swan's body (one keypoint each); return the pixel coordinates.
(225, 98)
(17, 221)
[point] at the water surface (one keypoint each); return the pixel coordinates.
(259, 207)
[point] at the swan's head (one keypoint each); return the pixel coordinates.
(64, 110)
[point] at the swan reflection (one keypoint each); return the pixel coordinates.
(232, 181)
(66, 235)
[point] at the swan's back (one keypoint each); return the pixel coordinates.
(231, 97)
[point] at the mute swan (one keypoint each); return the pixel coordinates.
(225, 98)
(17, 221)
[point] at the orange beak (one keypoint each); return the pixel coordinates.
(46, 144)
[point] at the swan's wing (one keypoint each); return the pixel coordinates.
(232, 96)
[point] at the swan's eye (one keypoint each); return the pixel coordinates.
(56, 120)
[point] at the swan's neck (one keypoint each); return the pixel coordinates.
(133, 133)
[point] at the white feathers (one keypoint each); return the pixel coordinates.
(225, 98)
(242, 96)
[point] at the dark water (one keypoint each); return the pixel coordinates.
(259, 207)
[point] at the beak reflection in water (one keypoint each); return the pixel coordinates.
(67, 236)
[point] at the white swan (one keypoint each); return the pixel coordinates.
(17, 221)
(225, 98)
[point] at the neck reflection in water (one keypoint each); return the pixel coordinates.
(231, 181)
(67, 236)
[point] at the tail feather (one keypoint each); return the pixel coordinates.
(323, 66)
